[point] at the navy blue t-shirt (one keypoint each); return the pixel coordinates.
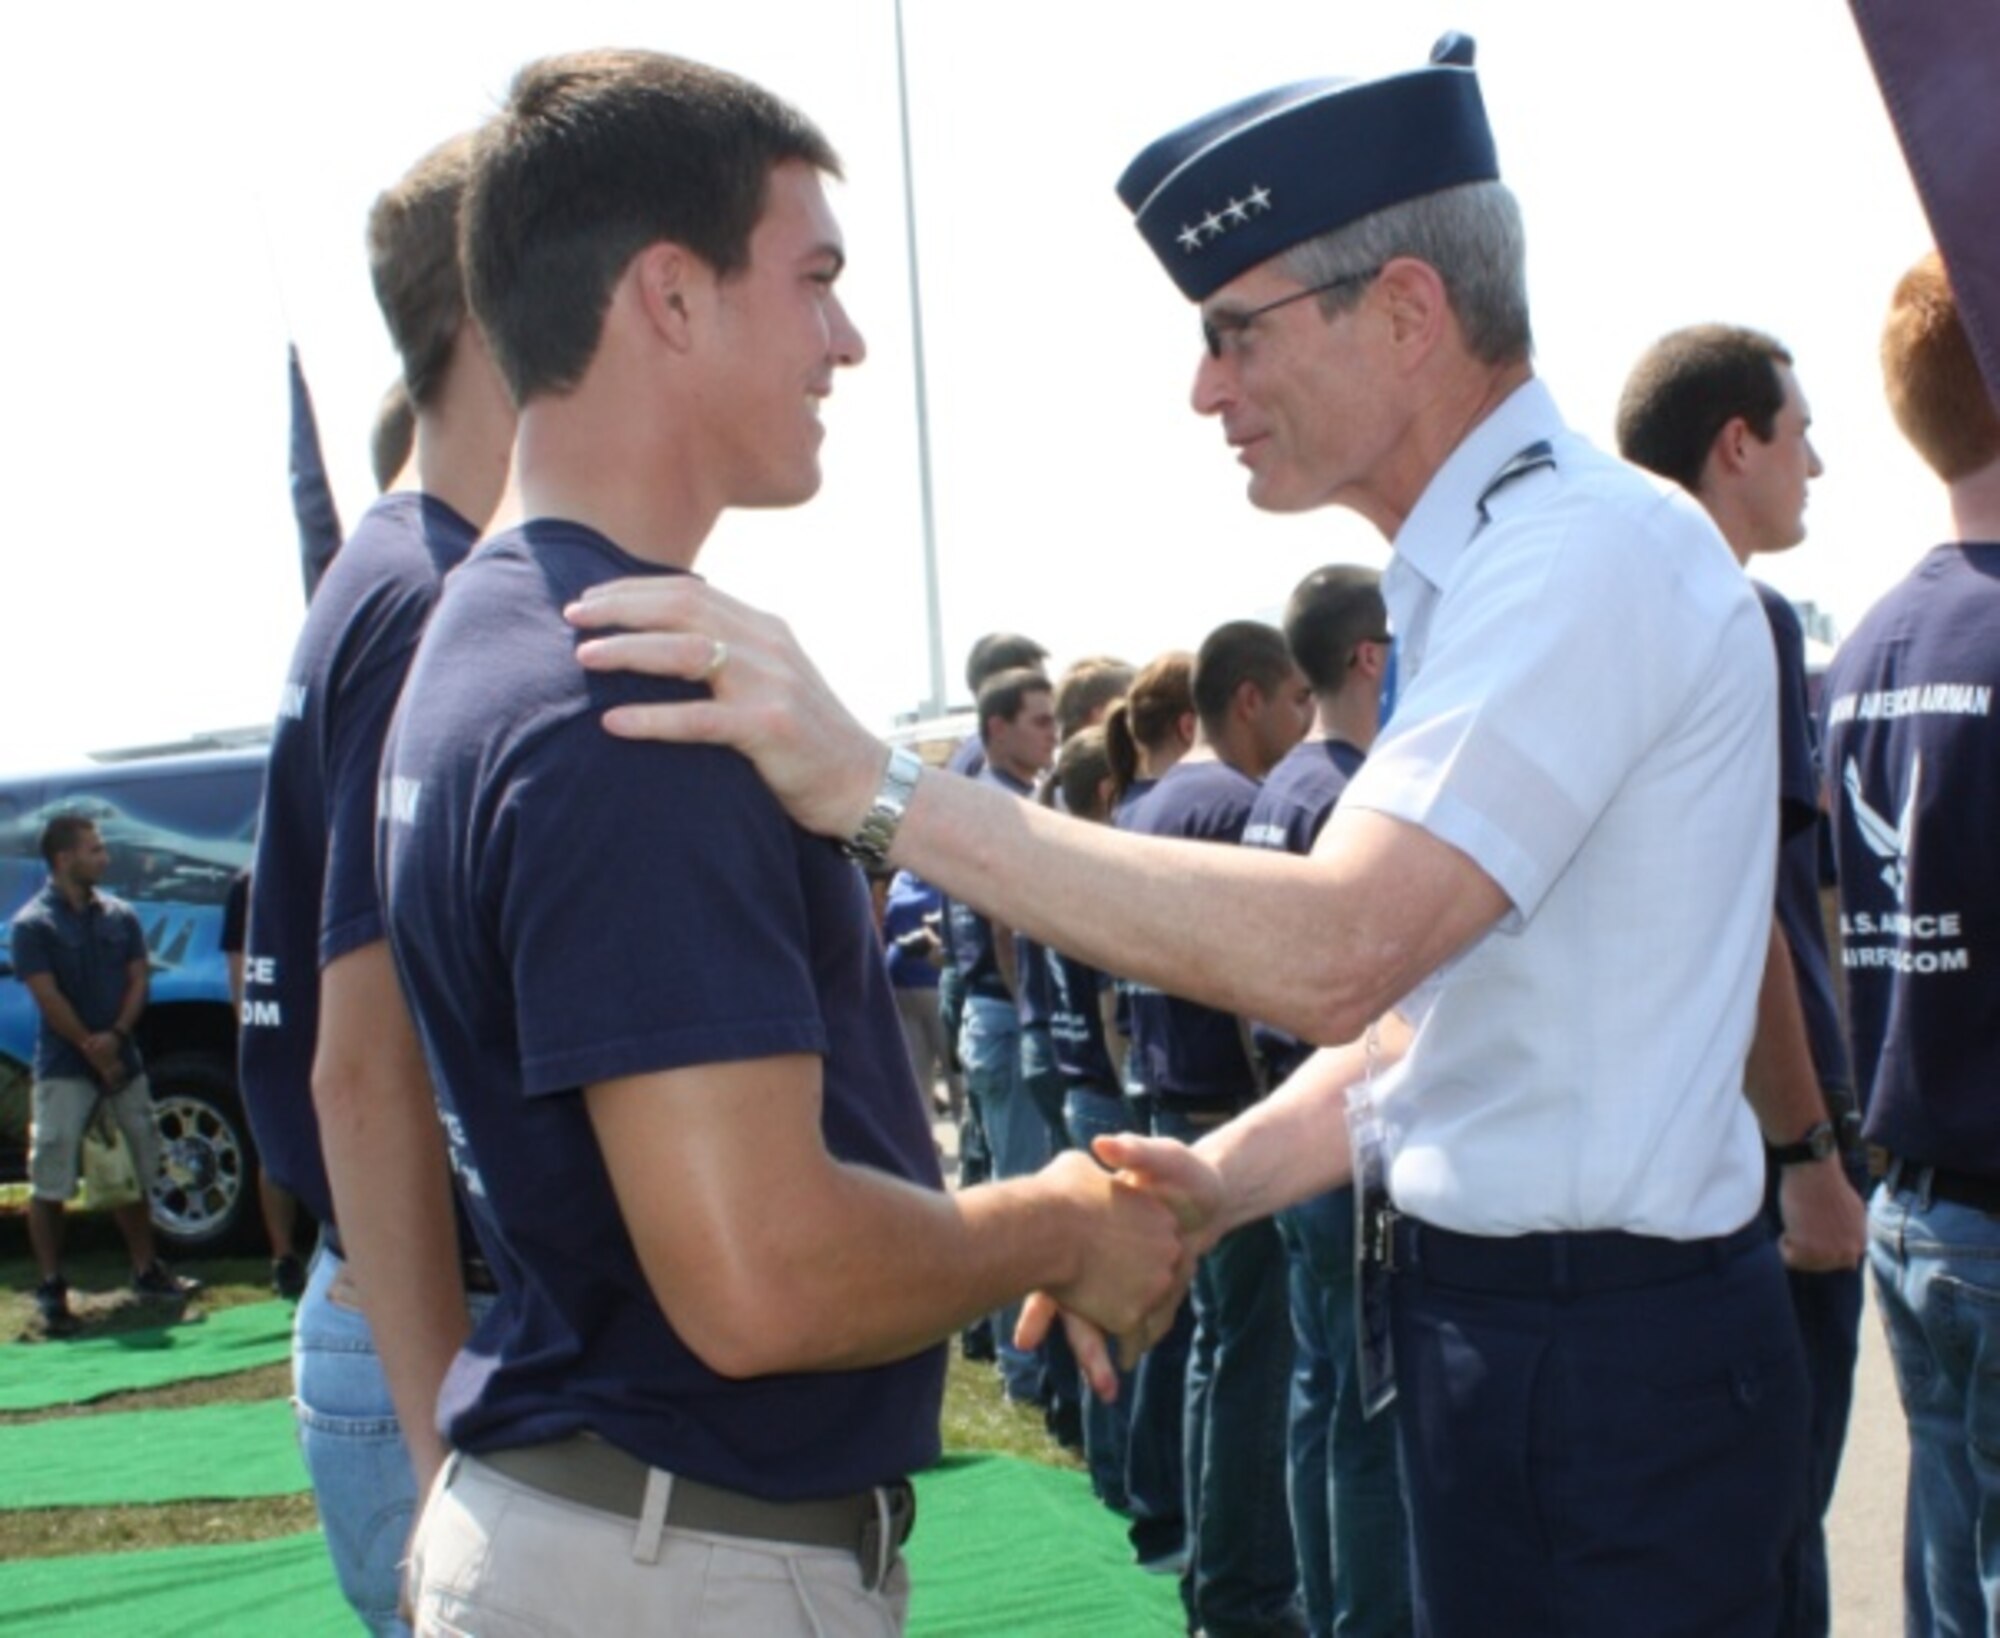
(969, 934)
(1186, 1050)
(568, 908)
(89, 953)
(313, 891)
(1291, 810)
(1076, 1024)
(911, 899)
(1799, 846)
(1913, 772)
(1035, 996)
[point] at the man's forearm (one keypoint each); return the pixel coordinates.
(858, 1268)
(57, 1013)
(132, 1005)
(1315, 946)
(1294, 1144)
(385, 1159)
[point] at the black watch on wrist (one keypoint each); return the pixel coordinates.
(1818, 1143)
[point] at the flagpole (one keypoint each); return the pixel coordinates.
(937, 703)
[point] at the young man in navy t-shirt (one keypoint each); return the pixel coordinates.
(1346, 1494)
(656, 1011)
(1253, 705)
(1913, 784)
(332, 1073)
(1718, 409)
(1017, 736)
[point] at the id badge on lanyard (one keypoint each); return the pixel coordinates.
(1374, 1253)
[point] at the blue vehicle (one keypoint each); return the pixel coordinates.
(179, 827)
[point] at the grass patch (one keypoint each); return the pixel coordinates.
(978, 1416)
(100, 1277)
(61, 1532)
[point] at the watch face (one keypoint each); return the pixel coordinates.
(1822, 1141)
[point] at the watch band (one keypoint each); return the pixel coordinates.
(1818, 1142)
(869, 845)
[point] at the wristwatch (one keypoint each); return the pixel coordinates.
(1819, 1142)
(869, 845)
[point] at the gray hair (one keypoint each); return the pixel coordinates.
(1471, 235)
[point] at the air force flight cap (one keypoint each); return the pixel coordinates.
(1236, 188)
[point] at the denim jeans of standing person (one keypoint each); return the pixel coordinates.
(1156, 1424)
(1828, 1310)
(1242, 1574)
(1063, 1394)
(1346, 1486)
(352, 1444)
(1936, 1266)
(1089, 1113)
(1017, 1140)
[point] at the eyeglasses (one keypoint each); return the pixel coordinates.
(1222, 330)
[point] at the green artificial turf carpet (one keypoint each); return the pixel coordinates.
(221, 1452)
(1007, 1546)
(37, 1376)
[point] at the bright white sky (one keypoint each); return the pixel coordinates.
(186, 186)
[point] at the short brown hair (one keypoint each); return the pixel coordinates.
(1001, 651)
(1331, 613)
(413, 261)
(1690, 385)
(1082, 767)
(1235, 653)
(1936, 392)
(1005, 695)
(1086, 689)
(596, 156)
(64, 833)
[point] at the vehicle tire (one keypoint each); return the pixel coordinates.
(205, 1198)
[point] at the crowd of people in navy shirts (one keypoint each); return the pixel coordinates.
(1237, 1449)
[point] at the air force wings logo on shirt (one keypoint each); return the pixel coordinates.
(1888, 842)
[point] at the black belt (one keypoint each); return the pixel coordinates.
(1556, 1265)
(870, 1524)
(473, 1269)
(1935, 1183)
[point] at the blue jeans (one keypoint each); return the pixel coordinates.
(1155, 1455)
(1346, 1485)
(353, 1448)
(1242, 1576)
(1088, 1113)
(1937, 1281)
(1017, 1139)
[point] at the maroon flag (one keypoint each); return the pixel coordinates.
(1938, 62)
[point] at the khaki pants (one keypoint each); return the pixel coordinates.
(496, 1559)
(62, 1109)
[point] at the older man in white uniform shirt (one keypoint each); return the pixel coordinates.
(1537, 917)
